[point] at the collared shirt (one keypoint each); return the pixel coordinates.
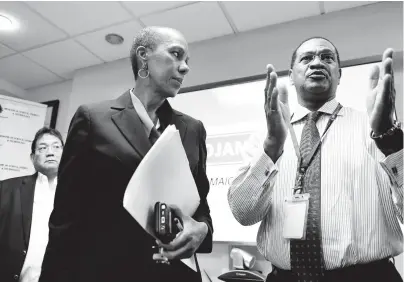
(143, 115)
(42, 207)
(359, 219)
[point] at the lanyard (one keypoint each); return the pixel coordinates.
(303, 165)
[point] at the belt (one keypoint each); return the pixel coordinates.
(342, 274)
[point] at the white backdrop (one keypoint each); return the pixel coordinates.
(233, 115)
(19, 121)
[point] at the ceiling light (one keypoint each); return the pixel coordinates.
(6, 23)
(114, 39)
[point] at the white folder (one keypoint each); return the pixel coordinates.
(162, 176)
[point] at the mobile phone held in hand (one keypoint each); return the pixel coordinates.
(165, 226)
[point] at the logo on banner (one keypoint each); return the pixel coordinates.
(227, 149)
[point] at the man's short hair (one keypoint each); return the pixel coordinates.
(42, 132)
(148, 37)
(308, 39)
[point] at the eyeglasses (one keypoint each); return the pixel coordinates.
(44, 148)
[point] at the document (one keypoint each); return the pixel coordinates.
(162, 176)
(19, 121)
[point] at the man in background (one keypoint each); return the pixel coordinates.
(348, 187)
(25, 206)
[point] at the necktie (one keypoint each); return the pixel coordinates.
(154, 135)
(306, 257)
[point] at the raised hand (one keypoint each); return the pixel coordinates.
(276, 112)
(380, 102)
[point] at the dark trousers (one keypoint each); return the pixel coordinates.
(379, 271)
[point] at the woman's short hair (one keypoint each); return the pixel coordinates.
(148, 37)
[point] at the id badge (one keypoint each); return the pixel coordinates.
(296, 208)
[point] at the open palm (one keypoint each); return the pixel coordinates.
(381, 98)
(277, 113)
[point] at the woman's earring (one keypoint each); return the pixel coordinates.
(144, 69)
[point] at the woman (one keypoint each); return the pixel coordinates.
(92, 237)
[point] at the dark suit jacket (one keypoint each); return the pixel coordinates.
(16, 201)
(92, 237)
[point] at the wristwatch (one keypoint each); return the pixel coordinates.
(396, 128)
(391, 141)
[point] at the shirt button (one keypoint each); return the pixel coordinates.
(24, 252)
(16, 277)
(266, 172)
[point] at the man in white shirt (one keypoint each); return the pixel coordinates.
(25, 206)
(335, 215)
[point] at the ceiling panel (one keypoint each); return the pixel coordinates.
(253, 14)
(63, 58)
(24, 73)
(57, 38)
(331, 6)
(199, 21)
(5, 51)
(95, 41)
(76, 17)
(142, 8)
(33, 30)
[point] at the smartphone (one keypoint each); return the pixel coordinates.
(165, 227)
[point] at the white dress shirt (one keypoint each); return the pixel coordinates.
(42, 207)
(143, 115)
(359, 220)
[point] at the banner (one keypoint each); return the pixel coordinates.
(226, 153)
(19, 121)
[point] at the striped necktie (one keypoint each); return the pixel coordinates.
(306, 256)
(154, 135)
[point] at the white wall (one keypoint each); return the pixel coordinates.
(358, 33)
(9, 89)
(102, 82)
(60, 91)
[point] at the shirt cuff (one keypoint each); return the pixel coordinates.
(262, 167)
(393, 165)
